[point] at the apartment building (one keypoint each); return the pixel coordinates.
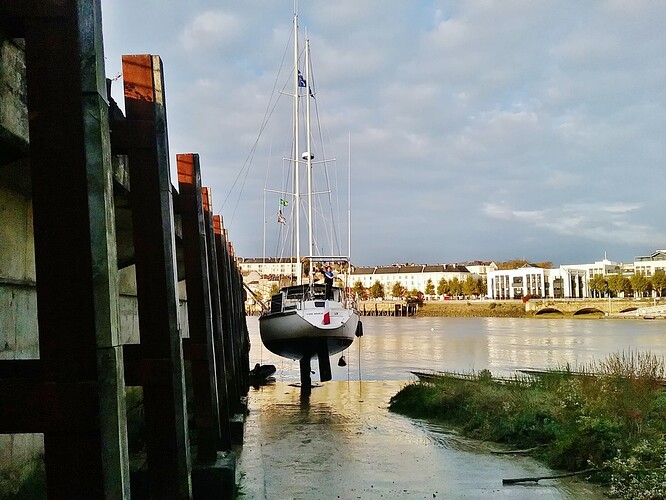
(410, 276)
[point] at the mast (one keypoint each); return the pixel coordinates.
(297, 191)
(308, 155)
(349, 198)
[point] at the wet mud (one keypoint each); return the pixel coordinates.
(342, 442)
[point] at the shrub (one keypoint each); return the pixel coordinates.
(640, 474)
(609, 415)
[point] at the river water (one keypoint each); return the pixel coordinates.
(343, 442)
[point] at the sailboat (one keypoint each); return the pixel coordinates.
(309, 319)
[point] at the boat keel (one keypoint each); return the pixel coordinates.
(324, 362)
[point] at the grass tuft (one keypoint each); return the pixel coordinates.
(609, 415)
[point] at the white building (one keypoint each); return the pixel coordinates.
(651, 263)
(567, 281)
(517, 283)
(410, 276)
(271, 266)
(564, 282)
(603, 267)
(480, 268)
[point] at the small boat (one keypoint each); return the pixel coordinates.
(307, 319)
(262, 374)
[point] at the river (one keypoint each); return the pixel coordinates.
(344, 443)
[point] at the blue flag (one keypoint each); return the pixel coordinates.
(301, 80)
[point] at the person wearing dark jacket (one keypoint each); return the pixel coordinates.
(328, 281)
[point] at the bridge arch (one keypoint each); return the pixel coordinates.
(588, 310)
(549, 310)
(629, 309)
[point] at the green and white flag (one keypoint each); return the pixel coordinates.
(283, 202)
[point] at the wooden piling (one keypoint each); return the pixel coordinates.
(221, 360)
(160, 353)
(78, 378)
(230, 314)
(199, 348)
(75, 393)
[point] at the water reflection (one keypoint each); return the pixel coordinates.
(392, 347)
(344, 443)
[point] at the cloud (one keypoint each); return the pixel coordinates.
(495, 128)
(213, 29)
(602, 222)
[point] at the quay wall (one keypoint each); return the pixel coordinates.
(615, 308)
(102, 288)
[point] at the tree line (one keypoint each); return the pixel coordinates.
(638, 284)
(454, 287)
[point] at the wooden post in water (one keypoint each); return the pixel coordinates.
(199, 348)
(160, 354)
(231, 348)
(218, 330)
(74, 393)
(241, 334)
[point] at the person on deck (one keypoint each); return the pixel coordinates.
(328, 281)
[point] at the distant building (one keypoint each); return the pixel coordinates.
(410, 276)
(567, 281)
(651, 263)
(271, 266)
(601, 267)
(480, 268)
(537, 282)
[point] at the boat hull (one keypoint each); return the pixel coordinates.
(296, 335)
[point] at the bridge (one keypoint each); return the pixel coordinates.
(641, 308)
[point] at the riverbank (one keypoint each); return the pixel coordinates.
(473, 309)
(342, 442)
(612, 420)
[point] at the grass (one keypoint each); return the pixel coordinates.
(609, 415)
(460, 308)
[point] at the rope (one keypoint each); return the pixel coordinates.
(359, 359)
(248, 160)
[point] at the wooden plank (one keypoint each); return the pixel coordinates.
(24, 369)
(60, 408)
(199, 310)
(167, 439)
(221, 359)
(71, 199)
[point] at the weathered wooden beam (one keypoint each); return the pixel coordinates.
(50, 408)
(218, 329)
(141, 370)
(74, 244)
(22, 9)
(14, 142)
(226, 307)
(231, 296)
(199, 311)
(167, 439)
(21, 369)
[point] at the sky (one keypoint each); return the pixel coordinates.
(478, 129)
